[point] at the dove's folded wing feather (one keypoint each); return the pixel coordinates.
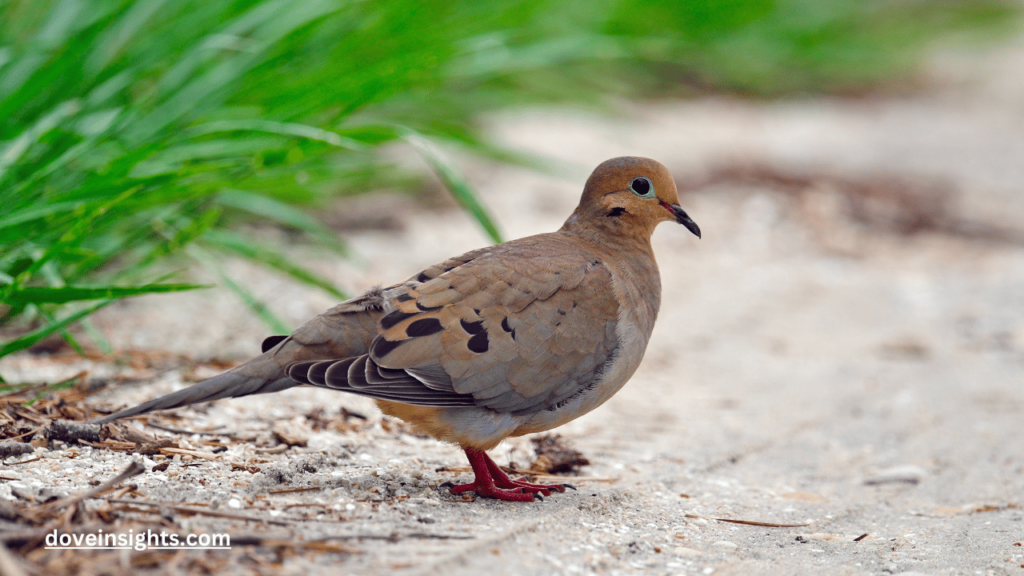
(517, 329)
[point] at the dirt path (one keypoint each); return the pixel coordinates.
(843, 349)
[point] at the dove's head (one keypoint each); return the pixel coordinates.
(630, 196)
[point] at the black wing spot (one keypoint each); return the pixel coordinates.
(472, 327)
(382, 347)
(423, 308)
(450, 268)
(513, 334)
(394, 318)
(505, 326)
(424, 327)
(479, 342)
(404, 298)
(271, 341)
(422, 277)
(561, 312)
(615, 212)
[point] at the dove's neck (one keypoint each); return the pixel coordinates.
(636, 281)
(617, 235)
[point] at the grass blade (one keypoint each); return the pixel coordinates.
(279, 128)
(242, 246)
(64, 333)
(70, 238)
(454, 181)
(281, 213)
(38, 334)
(63, 295)
(187, 234)
(257, 307)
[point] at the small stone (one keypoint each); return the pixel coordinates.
(291, 434)
(803, 497)
(907, 474)
(235, 503)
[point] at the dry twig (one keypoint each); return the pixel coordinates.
(9, 566)
(133, 469)
(750, 522)
(205, 512)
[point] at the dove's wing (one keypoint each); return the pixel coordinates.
(518, 328)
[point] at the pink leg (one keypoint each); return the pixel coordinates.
(491, 482)
(501, 480)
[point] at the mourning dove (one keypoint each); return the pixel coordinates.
(503, 341)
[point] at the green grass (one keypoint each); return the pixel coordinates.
(137, 135)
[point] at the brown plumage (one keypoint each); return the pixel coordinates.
(502, 341)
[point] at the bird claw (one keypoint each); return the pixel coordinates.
(545, 489)
(492, 491)
(492, 482)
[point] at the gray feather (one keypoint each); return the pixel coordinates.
(231, 384)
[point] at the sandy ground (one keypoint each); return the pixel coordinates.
(841, 350)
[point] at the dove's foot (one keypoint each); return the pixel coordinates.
(501, 480)
(489, 490)
(492, 482)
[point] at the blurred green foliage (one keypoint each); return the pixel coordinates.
(136, 135)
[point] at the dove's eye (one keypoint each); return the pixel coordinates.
(642, 187)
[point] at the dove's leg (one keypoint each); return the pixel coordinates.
(484, 484)
(491, 482)
(501, 480)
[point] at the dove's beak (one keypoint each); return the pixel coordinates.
(683, 218)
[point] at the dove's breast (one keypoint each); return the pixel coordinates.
(637, 288)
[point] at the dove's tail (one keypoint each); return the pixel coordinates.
(261, 375)
(343, 331)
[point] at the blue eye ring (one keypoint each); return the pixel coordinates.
(642, 187)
